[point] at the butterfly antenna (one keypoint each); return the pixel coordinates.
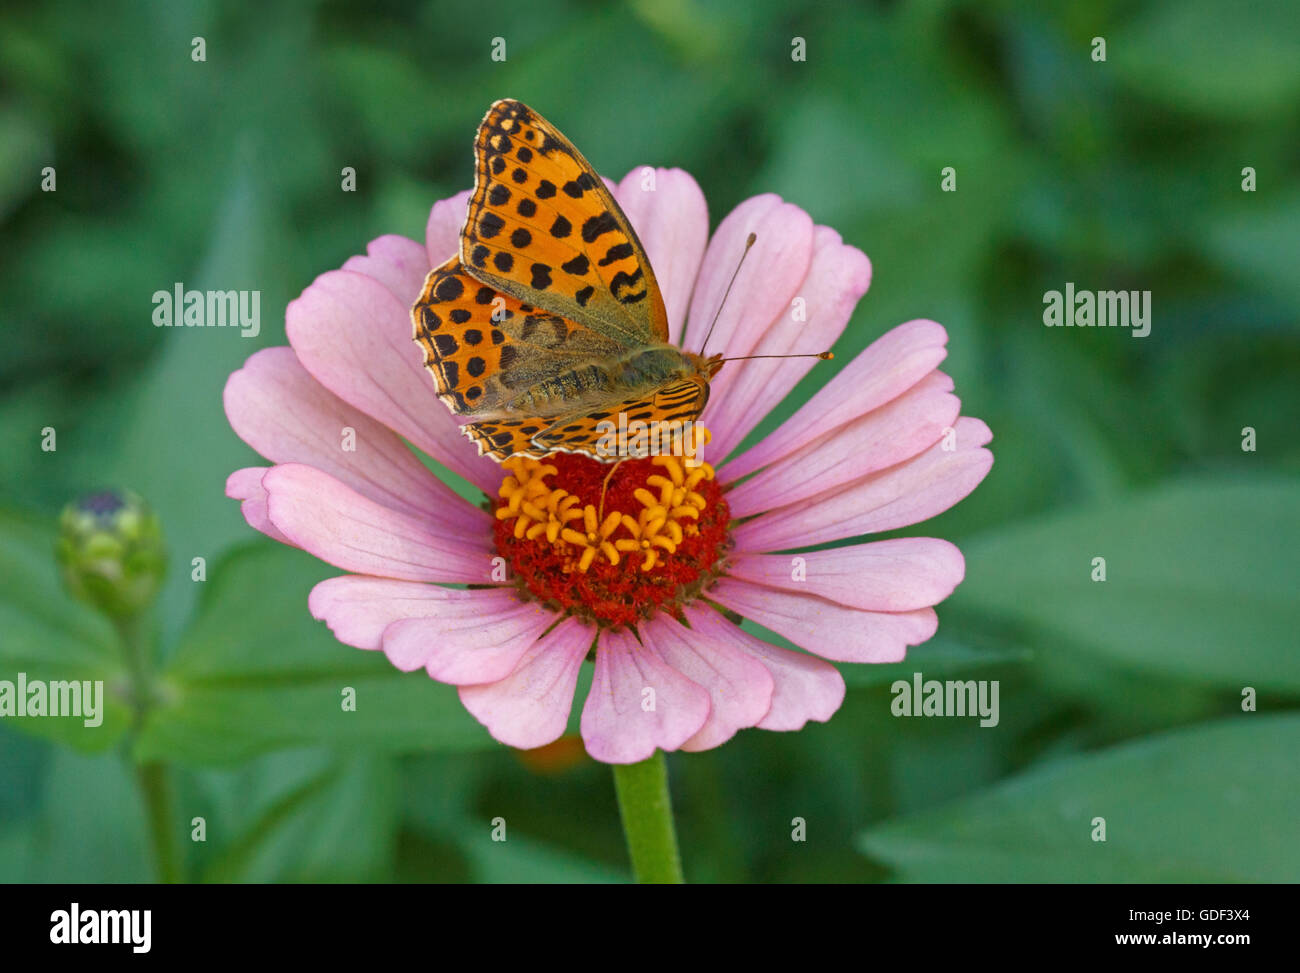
(749, 243)
(823, 355)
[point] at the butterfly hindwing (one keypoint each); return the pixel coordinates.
(505, 437)
(543, 228)
(485, 349)
(664, 411)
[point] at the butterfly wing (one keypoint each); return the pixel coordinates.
(587, 432)
(486, 349)
(543, 228)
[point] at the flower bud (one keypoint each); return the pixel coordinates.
(110, 550)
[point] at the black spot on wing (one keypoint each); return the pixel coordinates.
(450, 372)
(489, 225)
(596, 225)
(622, 284)
(449, 288)
(578, 266)
(620, 251)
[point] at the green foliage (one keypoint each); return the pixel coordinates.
(1213, 804)
(1199, 583)
(254, 674)
(1119, 699)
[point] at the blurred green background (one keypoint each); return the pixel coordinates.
(1120, 699)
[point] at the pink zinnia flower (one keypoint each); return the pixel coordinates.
(881, 446)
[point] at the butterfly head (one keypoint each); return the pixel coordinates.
(705, 366)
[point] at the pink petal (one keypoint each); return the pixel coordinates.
(805, 687)
(617, 725)
(442, 234)
(396, 262)
(357, 609)
(246, 485)
(530, 707)
(275, 406)
(768, 281)
(341, 527)
(885, 369)
(478, 639)
(739, 686)
(837, 278)
(912, 491)
(883, 437)
(672, 222)
(892, 576)
(355, 339)
(825, 628)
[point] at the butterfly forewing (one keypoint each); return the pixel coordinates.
(543, 228)
(548, 327)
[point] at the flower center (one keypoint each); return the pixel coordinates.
(611, 542)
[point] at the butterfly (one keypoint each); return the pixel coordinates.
(549, 324)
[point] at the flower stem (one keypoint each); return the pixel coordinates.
(152, 777)
(155, 788)
(646, 808)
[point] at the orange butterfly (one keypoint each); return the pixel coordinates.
(549, 322)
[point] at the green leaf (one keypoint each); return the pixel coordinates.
(92, 828)
(1201, 581)
(305, 816)
(934, 659)
(1202, 56)
(49, 636)
(1258, 240)
(527, 861)
(255, 673)
(1215, 803)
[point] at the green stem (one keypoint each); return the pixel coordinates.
(646, 808)
(133, 632)
(156, 789)
(152, 778)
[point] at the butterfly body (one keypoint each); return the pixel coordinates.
(549, 320)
